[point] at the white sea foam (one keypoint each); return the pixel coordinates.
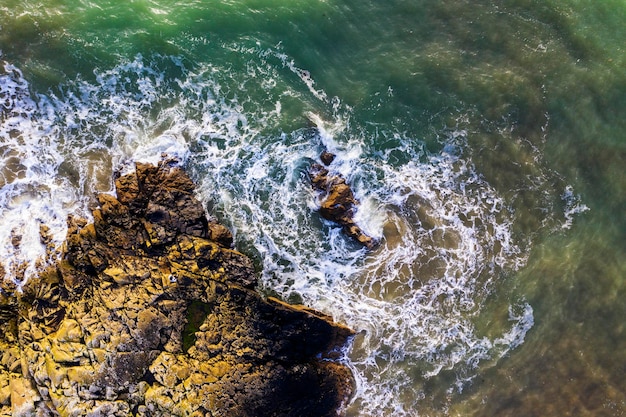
(447, 238)
(446, 233)
(31, 195)
(573, 206)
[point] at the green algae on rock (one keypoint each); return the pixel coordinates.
(102, 332)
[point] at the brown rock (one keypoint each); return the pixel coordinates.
(338, 203)
(220, 234)
(149, 313)
(327, 157)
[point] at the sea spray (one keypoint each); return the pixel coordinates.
(31, 194)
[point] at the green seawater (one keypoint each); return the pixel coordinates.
(535, 90)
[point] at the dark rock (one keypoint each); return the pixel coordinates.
(150, 313)
(327, 157)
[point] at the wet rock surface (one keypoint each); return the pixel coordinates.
(338, 203)
(151, 313)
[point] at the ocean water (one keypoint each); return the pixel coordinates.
(484, 140)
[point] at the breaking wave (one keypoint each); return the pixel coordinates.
(446, 233)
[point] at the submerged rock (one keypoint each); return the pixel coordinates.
(338, 202)
(151, 313)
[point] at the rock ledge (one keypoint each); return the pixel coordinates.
(151, 313)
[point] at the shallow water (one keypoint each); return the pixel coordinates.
(485, 143)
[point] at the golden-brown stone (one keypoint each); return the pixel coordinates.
(338, 203)
(150, 313)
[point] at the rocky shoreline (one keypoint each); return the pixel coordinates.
(150, 312)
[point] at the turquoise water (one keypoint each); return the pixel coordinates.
(485, 141)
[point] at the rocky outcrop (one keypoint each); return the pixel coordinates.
(338, 203)
(151, 313)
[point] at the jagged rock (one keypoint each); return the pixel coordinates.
(327, 158)
(18, 394)
(338, 203)
(150, 313)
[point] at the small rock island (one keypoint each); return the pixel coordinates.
(149, 312)
(338, 203)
